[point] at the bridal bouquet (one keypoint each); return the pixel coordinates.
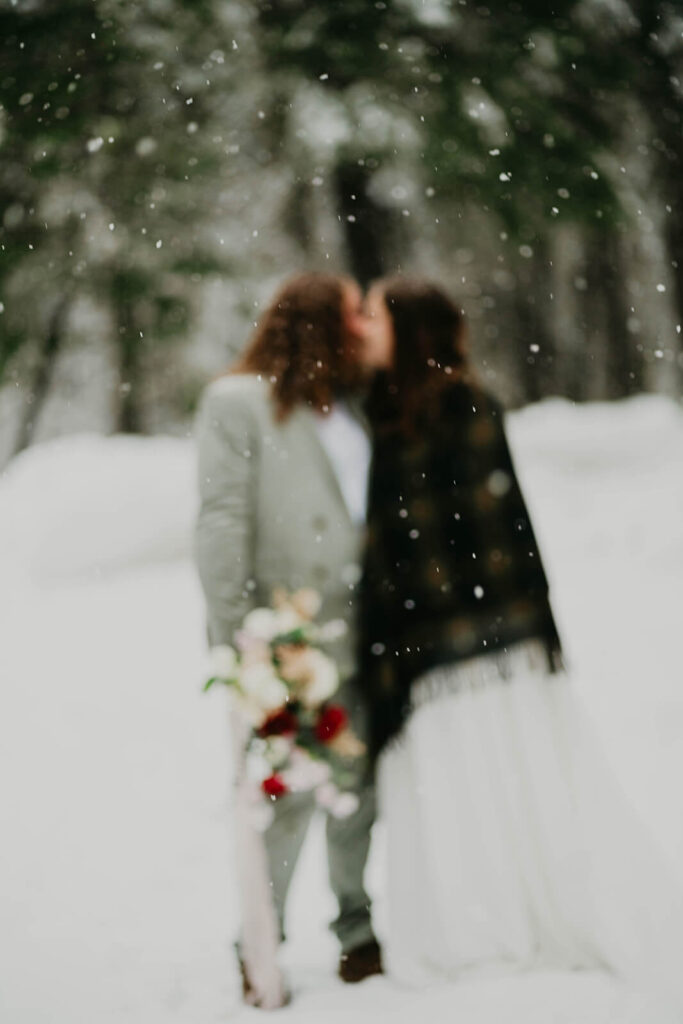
(282, 684)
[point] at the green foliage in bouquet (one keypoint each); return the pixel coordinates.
(282, 683)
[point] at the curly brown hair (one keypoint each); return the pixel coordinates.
(301, 344)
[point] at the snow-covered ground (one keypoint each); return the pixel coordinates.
(116, 900)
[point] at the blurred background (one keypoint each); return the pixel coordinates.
(163, 165)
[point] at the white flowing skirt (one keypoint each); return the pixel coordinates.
(509, 842)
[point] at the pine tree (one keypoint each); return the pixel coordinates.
(491, 105)
(113, 147)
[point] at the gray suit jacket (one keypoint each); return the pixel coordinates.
(272, 513)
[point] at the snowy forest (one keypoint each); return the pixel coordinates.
(163, 165)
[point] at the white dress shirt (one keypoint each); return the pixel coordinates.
(348, 449)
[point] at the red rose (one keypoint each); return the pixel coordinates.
(330, 723)
(274, 786)
(279, 724)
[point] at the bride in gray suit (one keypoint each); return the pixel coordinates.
(283, 465)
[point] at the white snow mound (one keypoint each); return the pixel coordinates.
(88, 505)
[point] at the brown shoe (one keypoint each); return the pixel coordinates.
(361, 962)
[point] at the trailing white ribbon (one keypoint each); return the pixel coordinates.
(260, 936)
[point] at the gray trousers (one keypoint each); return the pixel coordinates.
(348, 843)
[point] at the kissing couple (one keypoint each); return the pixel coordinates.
(352, 449)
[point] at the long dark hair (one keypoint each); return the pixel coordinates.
(301, 345)
(429, 355)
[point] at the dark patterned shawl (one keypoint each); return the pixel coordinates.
(452, 568)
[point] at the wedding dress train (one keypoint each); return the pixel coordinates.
(509, 842)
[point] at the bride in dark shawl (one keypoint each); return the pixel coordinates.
(509, 842)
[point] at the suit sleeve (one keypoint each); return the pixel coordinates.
(225, 526)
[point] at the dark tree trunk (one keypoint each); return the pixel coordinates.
(44, 373)
(297, 213)
(624, 364)
(661, 98)
(369, 228)
(668, 125)
(128, 418)
(673, 235)
(536, 345)
(592, 366)
(613, 367)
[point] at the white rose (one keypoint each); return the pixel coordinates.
(260, 684)
(274, 695)
(305, 772)
(261, 624)
(287, 619)
(338, 804)
(324, 679)
(223, 661)
(249, 709)
(344, 805)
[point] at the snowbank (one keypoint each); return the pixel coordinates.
(90, 505)
(115, 880)
(611, 473)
